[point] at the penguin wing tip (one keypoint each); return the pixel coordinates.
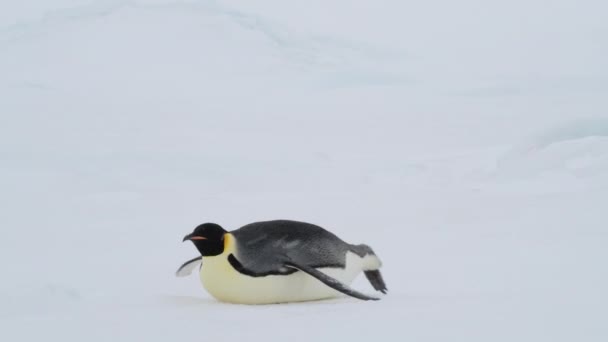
(186, 268)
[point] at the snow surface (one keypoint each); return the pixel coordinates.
(465, 141)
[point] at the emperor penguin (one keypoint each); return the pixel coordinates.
(279, 261)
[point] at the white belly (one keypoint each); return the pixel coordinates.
(227, 284)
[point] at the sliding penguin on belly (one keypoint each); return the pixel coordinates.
(279, 261)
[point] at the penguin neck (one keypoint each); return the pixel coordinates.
(228, 247)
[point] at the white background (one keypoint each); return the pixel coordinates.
(465, 141)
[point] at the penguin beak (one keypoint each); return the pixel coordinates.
(192, 237)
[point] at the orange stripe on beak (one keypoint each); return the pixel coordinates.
(198, 238)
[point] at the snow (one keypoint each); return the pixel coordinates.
(466, 142)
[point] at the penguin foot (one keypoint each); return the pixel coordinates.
(375, 278)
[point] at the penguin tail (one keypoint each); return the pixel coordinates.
(371, 267)
(370, 260)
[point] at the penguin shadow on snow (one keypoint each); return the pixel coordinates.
(193, 301)
(186, 301)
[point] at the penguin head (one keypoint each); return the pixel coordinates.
(208, 238)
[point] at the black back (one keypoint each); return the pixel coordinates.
(266, 247)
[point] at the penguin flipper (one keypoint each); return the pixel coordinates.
(186, 268)
(331, 282)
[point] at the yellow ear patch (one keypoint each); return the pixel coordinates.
(228, 243)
